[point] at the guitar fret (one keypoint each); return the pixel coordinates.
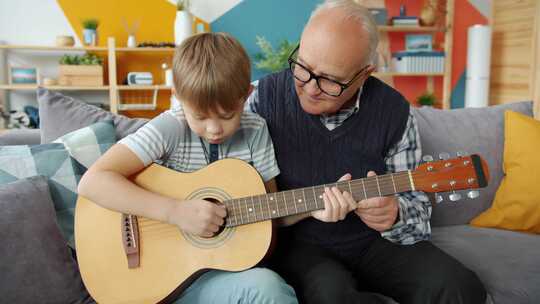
(268, 206)
(304, 196)
(393, 182)
(276, 205)
(294, 200)
(254, 211)
(314, 195)
(240, 212)
(285, 203)
(364, 187)
(378, 186)
(233, 213)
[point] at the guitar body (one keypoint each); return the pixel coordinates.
(169, 258)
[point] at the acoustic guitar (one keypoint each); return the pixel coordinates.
(128, 259)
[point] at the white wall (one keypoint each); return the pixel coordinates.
(36, 22)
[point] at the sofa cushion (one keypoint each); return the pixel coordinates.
(86, 145)
(472, 130)
(505, 261)
(20, 137)
(60, 114)
(517, 202)
(52, 161)
(36, 265)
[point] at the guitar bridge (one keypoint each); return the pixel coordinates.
(130, 239)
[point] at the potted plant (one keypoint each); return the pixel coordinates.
(78, 70)
(183, 24)
(90, 31)
(273, 60)
(427, 100)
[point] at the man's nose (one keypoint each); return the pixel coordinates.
(312, 88)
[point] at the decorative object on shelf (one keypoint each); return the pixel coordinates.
(83, 70)
(403, 19)
(380, 15)
(427, 100)
(62, 41)
(48, 81)
(131, 31)
(90, 37)
(478, 66)
(418, 42)
(271, 60)
(18, 120)
(418, 62)
(428, 14)
(168, 75)
(156, 44)
(183, 24)
(23, 75)
(139, 78)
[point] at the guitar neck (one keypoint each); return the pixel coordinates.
(257, 208)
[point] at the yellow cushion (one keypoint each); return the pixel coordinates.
(517, 202)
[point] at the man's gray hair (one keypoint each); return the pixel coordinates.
(358, 13)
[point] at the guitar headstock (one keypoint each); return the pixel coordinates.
(460, 173)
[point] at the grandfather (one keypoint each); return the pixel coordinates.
(328, 119)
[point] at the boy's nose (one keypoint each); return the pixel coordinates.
(214, 128)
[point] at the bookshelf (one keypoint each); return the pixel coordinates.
(385, 32)
(110, 52)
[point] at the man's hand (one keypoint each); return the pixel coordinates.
(337, 204)
(379, 213)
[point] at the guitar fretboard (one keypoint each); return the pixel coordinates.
(258, 208)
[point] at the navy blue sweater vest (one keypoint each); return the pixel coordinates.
(309, 154)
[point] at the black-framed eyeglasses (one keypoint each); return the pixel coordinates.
(325, 84)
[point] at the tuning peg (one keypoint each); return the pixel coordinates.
(454, 197)
(427, 158)
(438, 198)
(444, 155)
(473, 194)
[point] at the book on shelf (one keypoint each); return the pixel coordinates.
(405, 21)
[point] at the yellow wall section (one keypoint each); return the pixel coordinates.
(156, 24)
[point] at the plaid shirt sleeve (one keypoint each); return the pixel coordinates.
(414, 206)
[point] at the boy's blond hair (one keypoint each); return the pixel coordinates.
(211, 72)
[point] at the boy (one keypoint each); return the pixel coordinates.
(212, 81)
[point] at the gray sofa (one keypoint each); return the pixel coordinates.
(505, 261)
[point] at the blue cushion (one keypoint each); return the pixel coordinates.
(63, 162)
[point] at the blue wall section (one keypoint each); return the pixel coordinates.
(457, 98)
(274, 19)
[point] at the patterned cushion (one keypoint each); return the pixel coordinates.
(63, 162)
(86, 145)
(52, 161)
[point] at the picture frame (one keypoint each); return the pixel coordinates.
(19, 75)
(418, 42)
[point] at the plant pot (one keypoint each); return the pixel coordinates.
(89, 37)
(183, 26)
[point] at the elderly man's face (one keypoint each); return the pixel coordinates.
(338, 50)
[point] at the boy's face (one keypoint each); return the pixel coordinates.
(215, 128)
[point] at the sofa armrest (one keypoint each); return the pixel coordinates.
(20, 137)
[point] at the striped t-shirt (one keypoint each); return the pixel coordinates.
(168, 140)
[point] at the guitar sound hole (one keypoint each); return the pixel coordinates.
(215, 201)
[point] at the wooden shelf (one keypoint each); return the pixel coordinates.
(424, 29)
(407, 74)
(52, 48)
(145, 49)
(30, 87)
(143, 87)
